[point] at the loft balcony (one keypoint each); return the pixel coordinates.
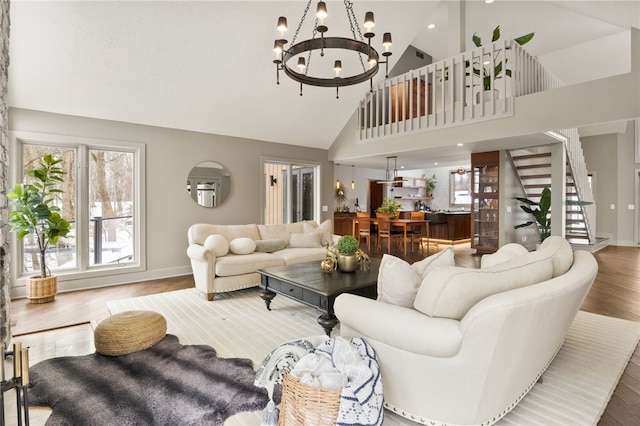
(473, 86)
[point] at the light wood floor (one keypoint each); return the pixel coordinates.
(616, 293)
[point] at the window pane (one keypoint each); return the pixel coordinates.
(62, 255)
(460, 188)
(111, 224)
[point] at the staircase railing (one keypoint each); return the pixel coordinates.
(580, 174)
(476, 85)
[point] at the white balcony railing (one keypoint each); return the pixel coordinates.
(450, 92)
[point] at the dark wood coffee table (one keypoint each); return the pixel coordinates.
(306, 283)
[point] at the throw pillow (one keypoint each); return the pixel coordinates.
(449, 291)
(444, 258)
(327, 232)
(242, 245)
(312, 239)
(217, 244)
(269, 246)
(398, 282)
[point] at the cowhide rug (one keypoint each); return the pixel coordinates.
(167, 384)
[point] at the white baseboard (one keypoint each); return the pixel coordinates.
(18, 292)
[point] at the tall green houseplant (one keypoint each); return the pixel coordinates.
(35, 211)
(541, 212)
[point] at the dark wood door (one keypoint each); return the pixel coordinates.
(376, 195)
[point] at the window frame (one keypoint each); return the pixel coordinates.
(82, 146)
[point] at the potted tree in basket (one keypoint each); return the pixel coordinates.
(347, 246)
(35, 212)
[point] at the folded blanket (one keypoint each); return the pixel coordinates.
(361, 402)
(319, 371)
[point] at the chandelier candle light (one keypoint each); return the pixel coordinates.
(356, 44)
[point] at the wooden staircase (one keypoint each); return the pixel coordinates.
(534, 171)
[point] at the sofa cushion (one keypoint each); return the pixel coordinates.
(308, 240)
(504, 254)
(560, 252)
(200, 231)
(292, 256)
(217, 244)
(234, 264)
(398, 282)
(280, 231)
(450, 291)
(269, 246)
(242, 245)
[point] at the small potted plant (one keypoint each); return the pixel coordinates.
(431, 185)
(389, 206)
(347, 246)
(35, 212)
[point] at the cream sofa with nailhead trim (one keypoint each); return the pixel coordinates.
(476, 340)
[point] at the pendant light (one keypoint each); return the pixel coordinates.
(338, 176)
(353, 182)
(388, 178)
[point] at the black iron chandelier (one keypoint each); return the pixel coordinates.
(356, 44)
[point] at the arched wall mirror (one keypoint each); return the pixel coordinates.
(209, 184)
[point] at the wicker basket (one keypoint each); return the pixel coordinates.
(304, 405)
(42, 290)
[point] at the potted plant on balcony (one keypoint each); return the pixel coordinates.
(389, 206)
(480, 68)
(347, 246)
(35, 212)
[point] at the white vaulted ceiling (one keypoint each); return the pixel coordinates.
(207, 66)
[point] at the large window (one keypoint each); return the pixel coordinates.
(101, 198)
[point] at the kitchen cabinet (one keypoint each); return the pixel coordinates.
(342, 223)
(485, 201)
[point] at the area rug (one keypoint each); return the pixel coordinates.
(575, 391)
(167, 384)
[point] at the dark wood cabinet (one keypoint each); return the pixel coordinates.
(485, 201)
(450, 226)
(343, 223)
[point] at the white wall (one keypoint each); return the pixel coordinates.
(170, 156)
(577, 64)
(611, 159)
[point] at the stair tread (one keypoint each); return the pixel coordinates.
(530, 156)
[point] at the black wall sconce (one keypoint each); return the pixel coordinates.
(273, 180)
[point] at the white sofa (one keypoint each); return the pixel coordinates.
(475, 341)
(226, 257)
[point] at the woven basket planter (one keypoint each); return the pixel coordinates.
(304, 405)
(42, 290)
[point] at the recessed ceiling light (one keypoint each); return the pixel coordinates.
(488, 1)
(435, 164)
(460, 144)
(431, 26)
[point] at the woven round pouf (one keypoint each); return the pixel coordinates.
(129, 332)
